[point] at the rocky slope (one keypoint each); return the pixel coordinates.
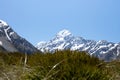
(12, 42)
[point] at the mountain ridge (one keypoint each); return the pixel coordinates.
(66, 40)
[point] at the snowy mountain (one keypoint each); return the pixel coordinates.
(65, 40)
(12, 42)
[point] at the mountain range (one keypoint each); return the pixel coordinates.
(10, 41)
(66, 40)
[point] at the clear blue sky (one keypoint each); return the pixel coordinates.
(40, 20)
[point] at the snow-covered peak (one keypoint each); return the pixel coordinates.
(102, 42)
(65, 40)
(41, 43)
(63, 33)
(3, 23)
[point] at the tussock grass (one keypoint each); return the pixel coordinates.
(60, 65)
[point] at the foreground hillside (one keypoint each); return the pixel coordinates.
(62, 65)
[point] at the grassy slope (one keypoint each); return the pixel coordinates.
(62, 65)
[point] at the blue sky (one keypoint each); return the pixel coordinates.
(40, 20)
